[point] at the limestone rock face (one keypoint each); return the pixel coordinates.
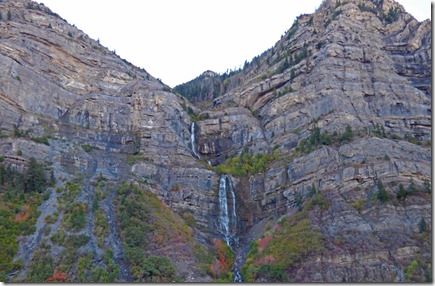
(102, 117)
(363, 66)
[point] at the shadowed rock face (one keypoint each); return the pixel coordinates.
(349, 64)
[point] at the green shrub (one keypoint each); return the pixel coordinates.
(409, 271)
(244, 164)
(273, 273)
(392, 15)
(358, 205)
(51, 219)
(41, 140)
(134, 159)
(41, 266)
(87, 148)
(317, 139)
(101, 226)
(75, 216)
(158, 269)
(401, 194)
(84, 268)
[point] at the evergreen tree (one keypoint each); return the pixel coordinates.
(52, 178)
(348, 134)
(427, 186)
(411, 187)
(382, 193)
(35, 179)
(401, 194)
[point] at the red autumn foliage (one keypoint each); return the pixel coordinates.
(220, 254)
(58, 276)
(221, 264)
(263, 242)
(269, 259)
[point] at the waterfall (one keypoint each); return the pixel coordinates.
(192, 139)
(227, 223)
(224, 218)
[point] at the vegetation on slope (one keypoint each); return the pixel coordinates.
(223, 262)
(245, 164)
(317, 139)
(147, 224)
(292, 238)
(20, 196)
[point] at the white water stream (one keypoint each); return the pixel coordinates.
(227, 222)
(192, 140)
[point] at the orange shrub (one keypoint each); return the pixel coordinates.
(263, 242)
(58, 276)
(22, 216)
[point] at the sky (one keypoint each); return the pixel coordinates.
(177, 40)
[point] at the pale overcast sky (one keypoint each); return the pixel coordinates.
(177, 40)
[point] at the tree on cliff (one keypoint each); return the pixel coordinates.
(35, 179)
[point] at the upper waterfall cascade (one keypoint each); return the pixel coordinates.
(192, 140)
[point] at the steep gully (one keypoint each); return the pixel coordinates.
(227, 219)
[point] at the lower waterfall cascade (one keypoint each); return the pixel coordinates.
(227, 220)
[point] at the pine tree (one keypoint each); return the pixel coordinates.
(52, 178)
(348, 134)
(382, 193)
(401, 194)
(35, 179)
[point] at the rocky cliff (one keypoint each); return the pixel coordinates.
(325, 139)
